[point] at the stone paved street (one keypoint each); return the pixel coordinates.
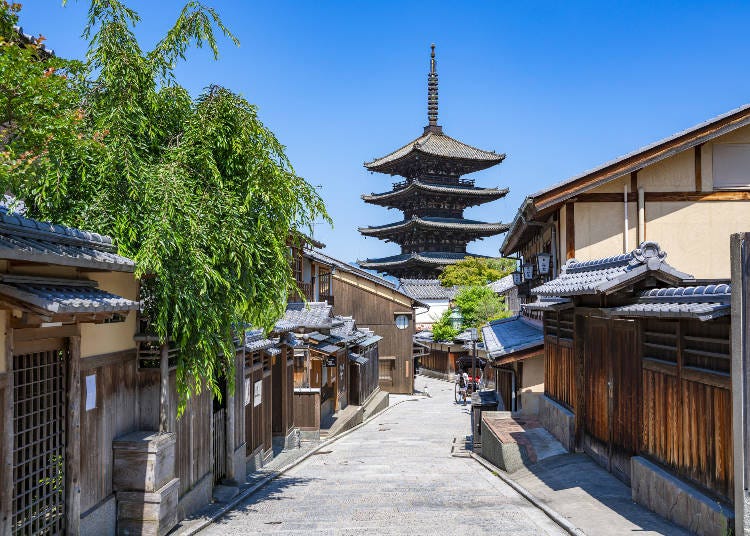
(395, 475)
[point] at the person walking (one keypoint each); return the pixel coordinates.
(462, 378)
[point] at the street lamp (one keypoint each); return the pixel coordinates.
(474, 336)
(456, 319)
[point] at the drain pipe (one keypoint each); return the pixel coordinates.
(641, 216)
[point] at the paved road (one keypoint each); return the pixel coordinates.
(395, 475)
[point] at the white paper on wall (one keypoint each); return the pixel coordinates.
(247, 391)
(90, 392)
(258, 393)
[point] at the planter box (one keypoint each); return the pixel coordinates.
(143, 461)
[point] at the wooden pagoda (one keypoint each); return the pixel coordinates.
(433, 196)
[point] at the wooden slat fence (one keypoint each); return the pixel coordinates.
(559, 369)
(686, 411)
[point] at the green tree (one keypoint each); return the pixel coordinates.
(476, 271)
(478, 305)
(198, 192)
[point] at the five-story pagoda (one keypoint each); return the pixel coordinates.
(433, 196)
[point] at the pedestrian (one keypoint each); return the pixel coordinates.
(462, 378)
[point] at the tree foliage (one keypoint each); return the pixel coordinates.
(478, 305)
(476, 271)
(197, 191)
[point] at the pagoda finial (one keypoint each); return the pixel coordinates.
(432, 90)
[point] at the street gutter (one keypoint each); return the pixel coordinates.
(554, 515)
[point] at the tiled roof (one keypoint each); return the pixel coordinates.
(503, 284)
(322, 258)
(548, 303)
(311, 315)
(426, 257)
(510, 335)
(430, 222)
(609, 274)
(24, 239)
(418, 187)
(435, 144)
(702, 302)
(256, 341)
(426, 289)
(64, 297)
(358, 358)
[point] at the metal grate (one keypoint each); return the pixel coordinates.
(219, 445)
(39, 443)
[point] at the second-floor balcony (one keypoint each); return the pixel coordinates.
(318, 289)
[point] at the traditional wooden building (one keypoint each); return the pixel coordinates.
(637, 374)
(687, 192)
(433, 232)
(67, 375)
(376, 304)
(514, 347)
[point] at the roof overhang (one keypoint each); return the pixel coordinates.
(62, 300)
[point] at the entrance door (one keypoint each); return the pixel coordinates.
(39, 419)
(611, 393)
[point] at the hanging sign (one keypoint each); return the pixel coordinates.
(330, 361)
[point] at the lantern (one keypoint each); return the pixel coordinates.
(542, 263)
(456, 319)
(528, 271)
(517, 277)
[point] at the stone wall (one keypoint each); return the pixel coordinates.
(559, 421)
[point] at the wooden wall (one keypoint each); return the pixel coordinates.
(307, 410)
(373, 306)
(193, 457)
(687, 408)
(258, 419)
(115, 414)
(559, 370)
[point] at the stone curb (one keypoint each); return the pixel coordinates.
(552, 514)
(194, 529)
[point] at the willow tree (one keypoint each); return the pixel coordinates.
(197, 191)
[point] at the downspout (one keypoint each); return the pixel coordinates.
(626, 241)
(641, 216)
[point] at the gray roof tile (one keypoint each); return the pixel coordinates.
(608, 274)
(510, 335)
(311, 315)
(426, 289)
(703, 302)
(25, 239)
(75, 297)
(502, 285)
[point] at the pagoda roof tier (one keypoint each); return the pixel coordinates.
(426, 223)
(419, 189)
(411, 262)
(435, 153)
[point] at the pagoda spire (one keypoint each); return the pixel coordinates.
(432, 92)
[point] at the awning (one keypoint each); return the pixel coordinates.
(512, 339)
(357, 358)
(50, 297)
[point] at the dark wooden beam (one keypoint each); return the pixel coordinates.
(634, 182)
(73, 439)
(570, 231)
(698, 168)
(579, 338)
(651, 197)
(6, 447)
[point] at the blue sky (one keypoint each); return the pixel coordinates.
(559, 87)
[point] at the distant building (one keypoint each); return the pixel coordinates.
(433, 232)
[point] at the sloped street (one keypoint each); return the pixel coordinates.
(395, 475)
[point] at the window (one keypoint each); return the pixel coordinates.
(731, 165)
